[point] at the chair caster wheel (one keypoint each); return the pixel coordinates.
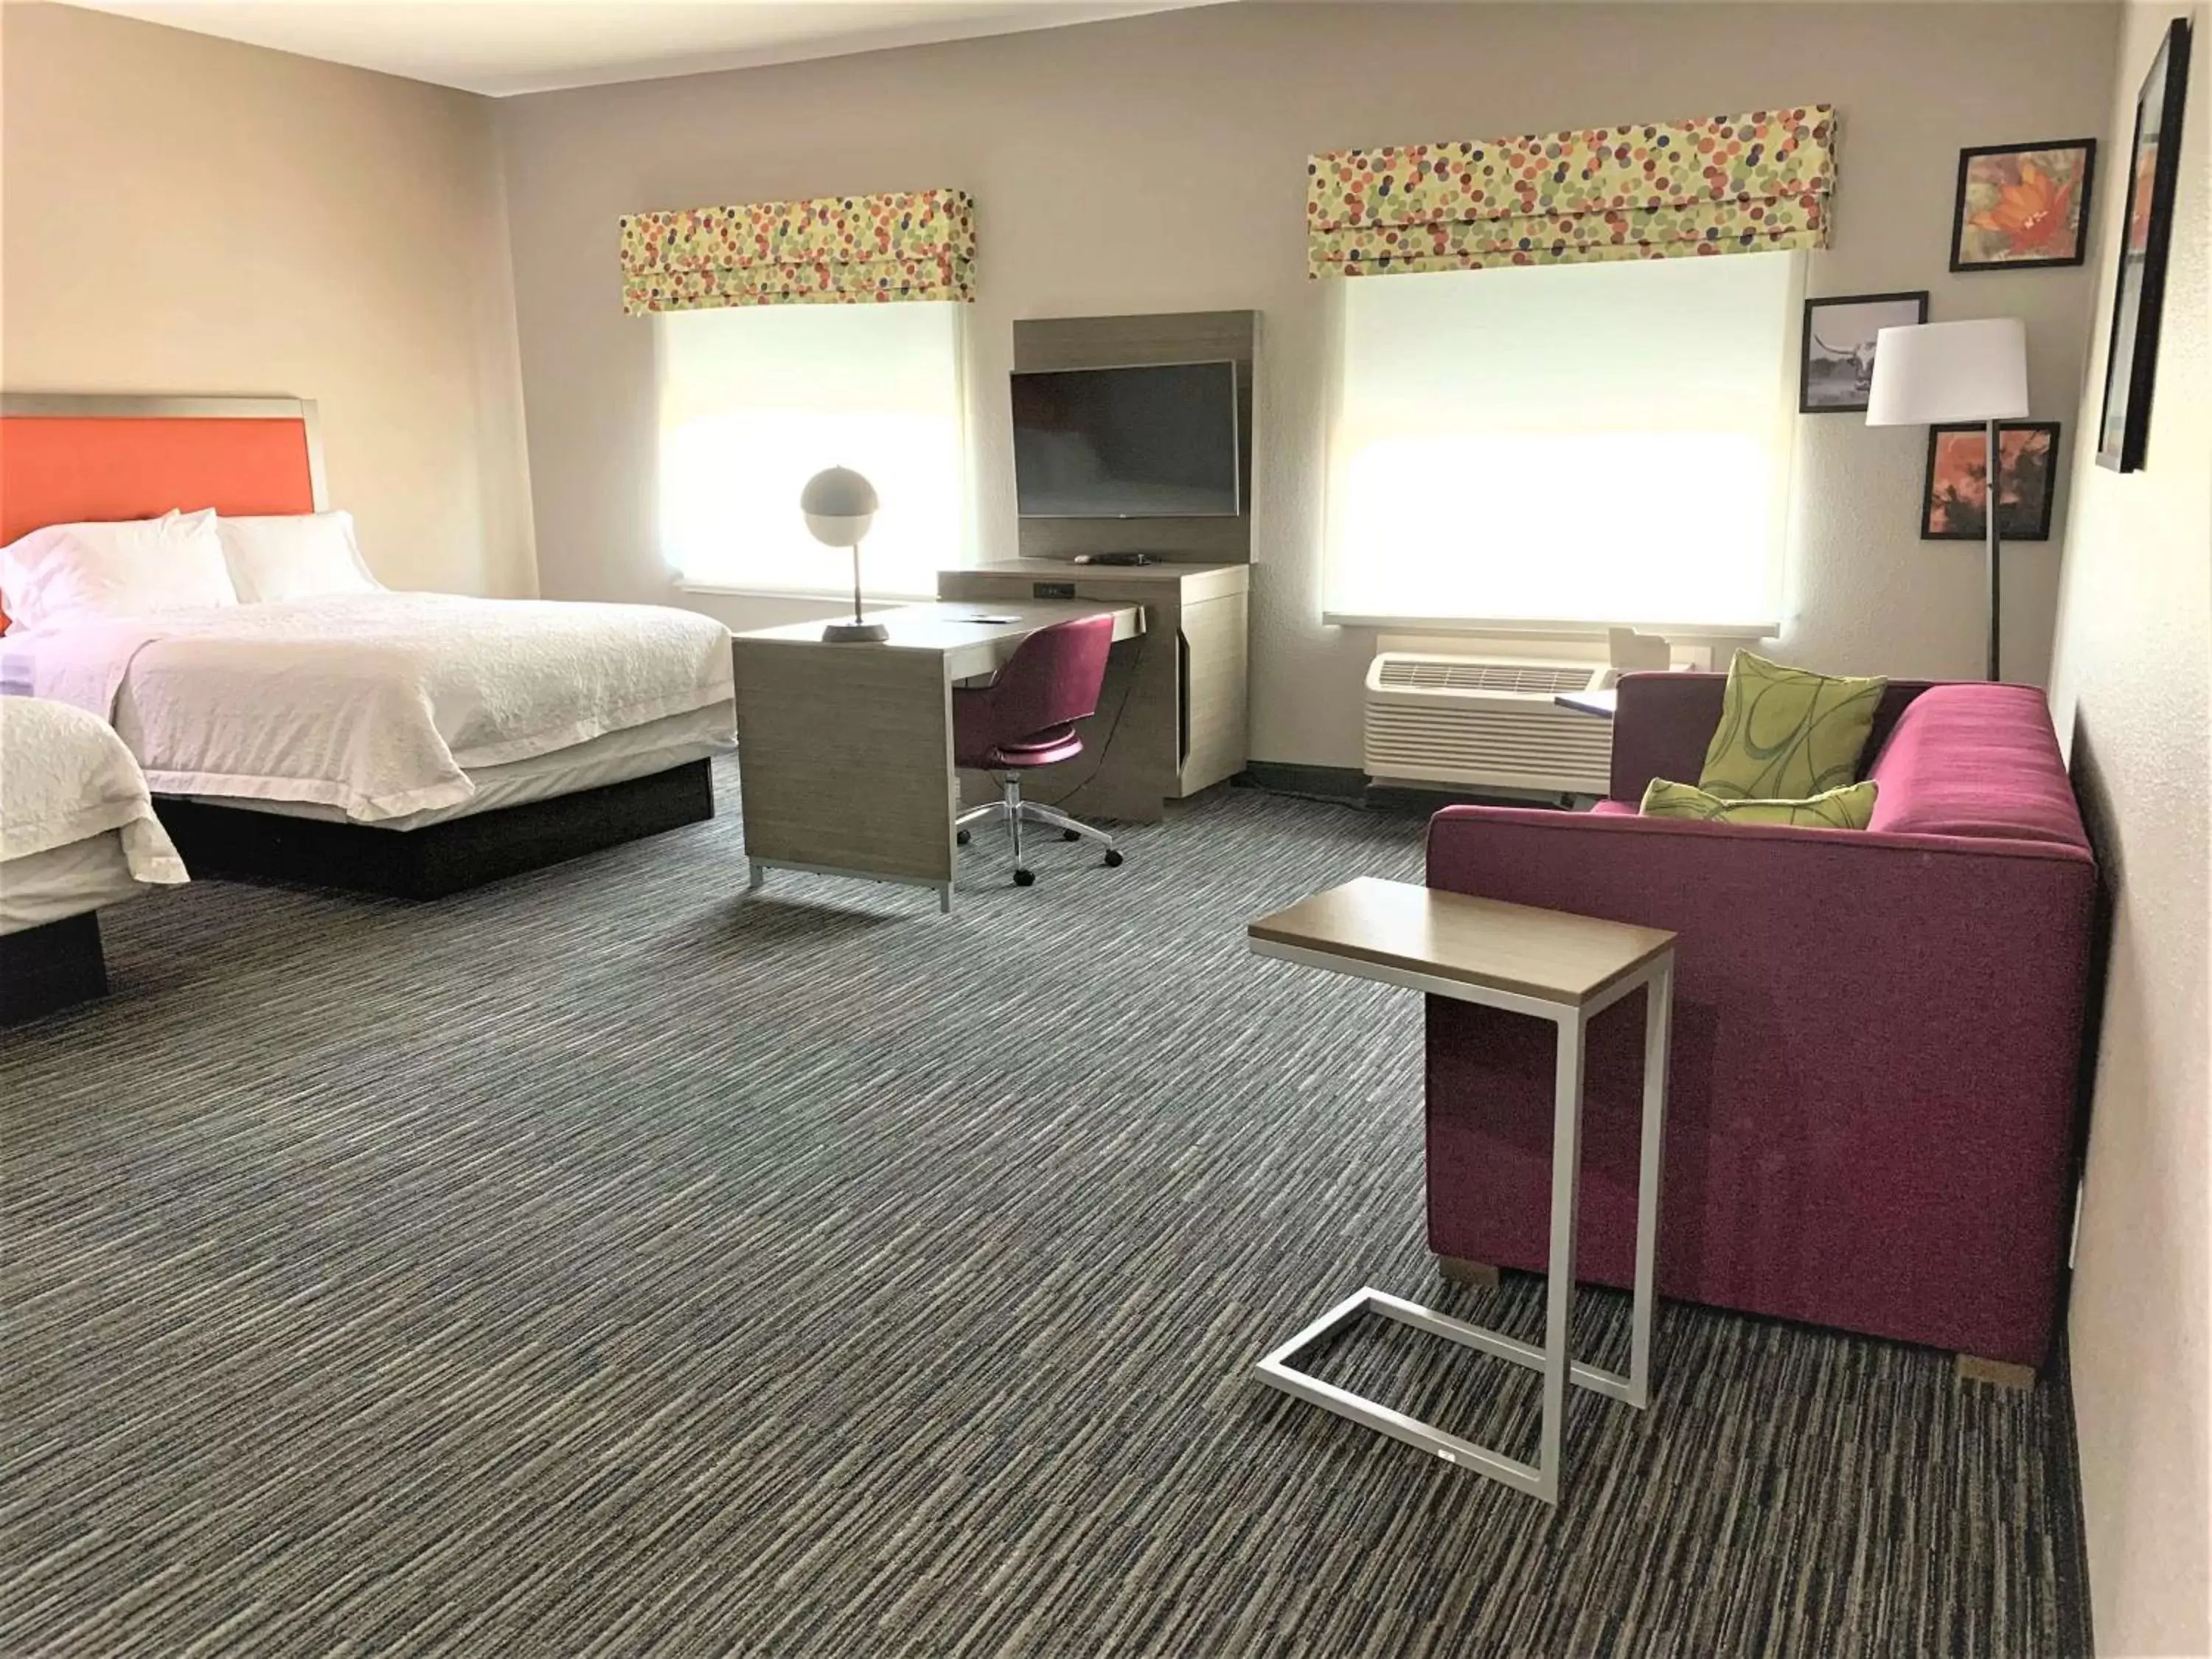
(960, 838)
(1113, 859)
(1069, 834)
(1024, 877)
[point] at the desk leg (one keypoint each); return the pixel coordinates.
(1658, 1019)
(1559, 1293)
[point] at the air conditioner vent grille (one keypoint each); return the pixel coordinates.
(1540, 679)
(1472, 722)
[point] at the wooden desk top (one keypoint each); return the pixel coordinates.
(950, 630)
(948, 624)
(1545, 955)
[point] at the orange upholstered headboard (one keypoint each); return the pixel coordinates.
(64, 459)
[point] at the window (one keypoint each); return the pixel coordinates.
(757, 399)
(1585, 443)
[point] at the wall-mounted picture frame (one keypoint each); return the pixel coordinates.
(2139, 298)
(1835, 359)
(2023, 207)
(1956, 493)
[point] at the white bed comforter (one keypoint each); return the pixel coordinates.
(65, 777)
(377, 703)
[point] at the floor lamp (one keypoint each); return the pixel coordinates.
(1938, 372)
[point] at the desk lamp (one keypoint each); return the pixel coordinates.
(840, 505)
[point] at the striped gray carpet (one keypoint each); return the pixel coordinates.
(608, 1263)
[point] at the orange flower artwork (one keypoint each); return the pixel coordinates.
(2022, 205)
(1957, 495)
(2031, 214)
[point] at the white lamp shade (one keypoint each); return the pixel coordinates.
(839, 531)
(1937, 372)
(838, 504)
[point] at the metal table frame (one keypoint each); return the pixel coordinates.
(1542, 1479)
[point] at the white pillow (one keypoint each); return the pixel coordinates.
(68, 573)
(294, 556)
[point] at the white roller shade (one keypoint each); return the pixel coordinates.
(754, 400)
(1584, 443)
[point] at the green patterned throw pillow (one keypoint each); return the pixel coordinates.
(1787, 733)
(1850, 807)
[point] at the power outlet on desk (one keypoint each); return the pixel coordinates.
(1052, 590)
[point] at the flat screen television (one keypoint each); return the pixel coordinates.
(1154, 442)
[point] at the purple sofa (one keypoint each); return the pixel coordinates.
(1871, 1118)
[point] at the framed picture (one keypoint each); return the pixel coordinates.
(2155, 162)
(1957, 492)
(2022, 206)
(1835, 369)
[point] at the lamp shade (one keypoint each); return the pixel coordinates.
(838, 504)
(1936, 372)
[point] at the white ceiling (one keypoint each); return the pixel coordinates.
(506, 46)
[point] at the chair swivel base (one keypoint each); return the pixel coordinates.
(1013, 811)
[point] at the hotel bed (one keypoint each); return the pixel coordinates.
(303, 723)
(78, 833)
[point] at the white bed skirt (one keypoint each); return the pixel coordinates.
(614, 758)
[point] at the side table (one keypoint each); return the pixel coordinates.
(1549, 965)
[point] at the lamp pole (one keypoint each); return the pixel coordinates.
(1992, 494)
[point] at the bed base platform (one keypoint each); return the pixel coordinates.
(50, 967)
(233, 844)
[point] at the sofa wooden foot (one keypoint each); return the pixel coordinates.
(2001, 1372)
(1480, 1275)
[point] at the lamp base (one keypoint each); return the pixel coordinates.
(855, 633)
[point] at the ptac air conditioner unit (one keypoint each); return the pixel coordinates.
(1485, 723)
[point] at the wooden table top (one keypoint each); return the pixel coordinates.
(1545, 955)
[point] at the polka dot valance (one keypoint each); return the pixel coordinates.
(1725, 183)
(833, 250)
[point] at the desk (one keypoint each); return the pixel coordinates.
(846, 750)
(1560, 968)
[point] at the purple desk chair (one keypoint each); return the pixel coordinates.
(1026, 717)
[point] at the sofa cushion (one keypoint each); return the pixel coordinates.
(1976, 760)
(1847, 808)
(1787, 733)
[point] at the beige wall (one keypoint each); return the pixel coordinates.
(2130, 690)
(1157, 164)
(182, 214)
